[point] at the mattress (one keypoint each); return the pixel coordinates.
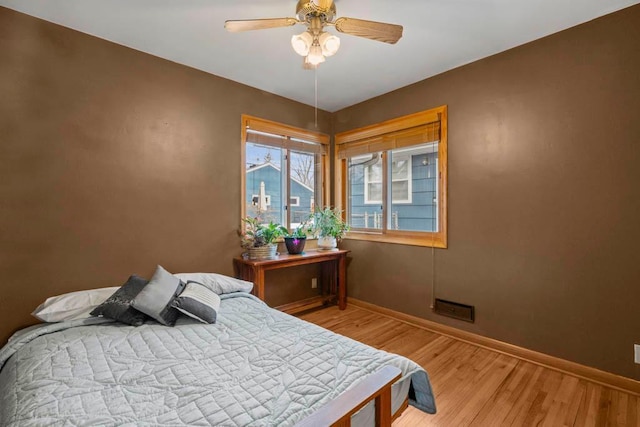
(256, 366)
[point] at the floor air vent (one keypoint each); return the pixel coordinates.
(455, 310)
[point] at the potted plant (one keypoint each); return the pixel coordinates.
(296, 240)
(329, 226)
(259, 239)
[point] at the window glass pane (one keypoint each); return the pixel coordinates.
(414, 204)
(400, 168)
(374, 172)
(263, 182)
(375, 191)
(400, 190)
(302, 185)
(364, 196)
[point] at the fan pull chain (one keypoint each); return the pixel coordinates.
(315, 76)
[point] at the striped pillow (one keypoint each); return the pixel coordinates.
(199, 302)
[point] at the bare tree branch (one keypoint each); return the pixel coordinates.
(302, 169)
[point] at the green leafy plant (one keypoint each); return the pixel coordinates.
(303, 230)
(256, 234)
(328, 222)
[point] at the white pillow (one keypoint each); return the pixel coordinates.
(218, 283)
(72, 306)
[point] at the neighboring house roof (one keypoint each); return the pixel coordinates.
(252, 169)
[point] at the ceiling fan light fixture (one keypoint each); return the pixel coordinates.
(306, 65)
(315, 55)
(315, 44)
(302, 43)
(329, 43)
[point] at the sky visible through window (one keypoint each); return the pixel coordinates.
(259, 154)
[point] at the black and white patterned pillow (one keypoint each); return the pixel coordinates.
(118, 306)
(199, 302)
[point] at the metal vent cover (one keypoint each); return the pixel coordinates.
(455, 310)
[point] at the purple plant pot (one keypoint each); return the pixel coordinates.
(295, 245)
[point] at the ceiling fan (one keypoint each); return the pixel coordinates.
(315, 44)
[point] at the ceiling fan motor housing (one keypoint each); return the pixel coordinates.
(308, 9)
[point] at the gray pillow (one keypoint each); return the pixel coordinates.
(118, 305)
(156, 298)
(199, 302)
(218, 283)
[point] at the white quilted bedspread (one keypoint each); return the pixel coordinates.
(255, 366)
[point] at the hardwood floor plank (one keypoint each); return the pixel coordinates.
(574, 405)
(475, 386)
(409, 341)
(560, 404)
(543, 390)
(604, 406)
(633, 414)
(496, 410)
(588, 411)
(621, 413)
(527, 398)
(481, 390)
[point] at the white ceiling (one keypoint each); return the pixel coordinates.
(438, 36)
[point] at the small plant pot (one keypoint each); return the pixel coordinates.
(263, 252)
(295, 245)
(327, 243)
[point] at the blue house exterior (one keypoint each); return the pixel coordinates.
(414, 204)
(301, 200)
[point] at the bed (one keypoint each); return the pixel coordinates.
(255, 366)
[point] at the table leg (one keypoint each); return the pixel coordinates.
(329, 281)
(342, 282)
(259, 282)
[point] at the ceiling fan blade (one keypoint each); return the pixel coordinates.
(380, 31)
(258, 24)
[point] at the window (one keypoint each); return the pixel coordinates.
(284, 170)
(372, 180)
(400, 179)
(393, 177)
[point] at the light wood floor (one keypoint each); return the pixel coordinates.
(478, 387)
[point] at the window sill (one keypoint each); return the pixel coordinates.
(400, 238)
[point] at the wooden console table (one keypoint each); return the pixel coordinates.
(333, 276)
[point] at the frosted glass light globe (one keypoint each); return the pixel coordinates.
(329, 44)
(315, 56)
(301, 43)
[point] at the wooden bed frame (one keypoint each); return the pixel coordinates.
(338, 412)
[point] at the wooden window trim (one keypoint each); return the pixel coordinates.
(275, 128)
(369, 135)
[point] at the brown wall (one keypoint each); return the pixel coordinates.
(113, 161)
(544, 197)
